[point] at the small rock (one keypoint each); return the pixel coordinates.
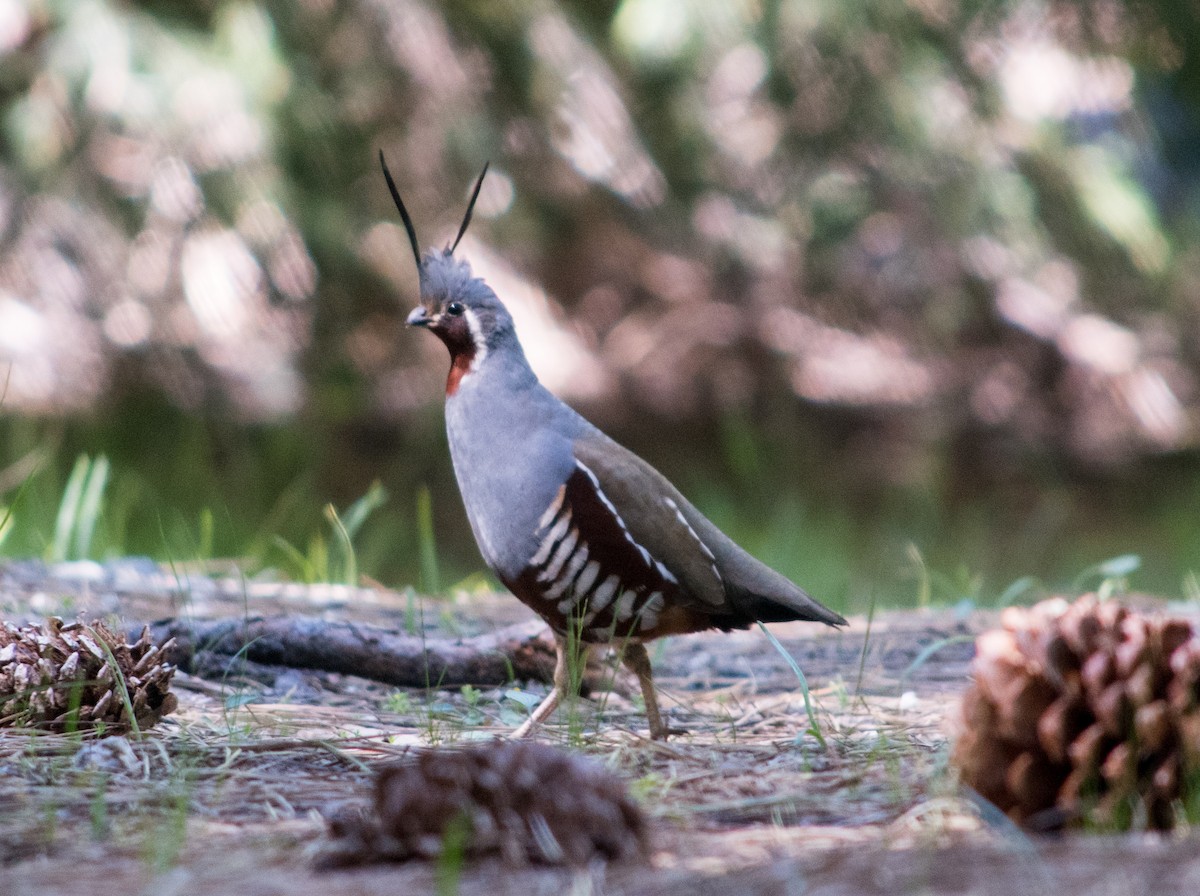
(295, 686)
(127, 573)
(79, 571)
(112, 754)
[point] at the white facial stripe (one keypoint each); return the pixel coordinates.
(481, 349)
(703, 547)
(550, 540)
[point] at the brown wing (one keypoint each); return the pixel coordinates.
(715, 574)
(652, 511)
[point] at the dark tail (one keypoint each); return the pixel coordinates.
(794, 605)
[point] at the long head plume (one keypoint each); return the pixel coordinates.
(408, 224)
(470, 208)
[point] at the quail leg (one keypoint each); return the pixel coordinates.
(637, 661)
(562, 686)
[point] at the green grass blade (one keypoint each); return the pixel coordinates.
(207, 534)
(348, 568)
(924, 579)
(345, 527)
(1120, 567)
(862, 659)
(318, 559)
(121, 687)
(89, 507)
(928, 651)
(31, 469)
(814, 727)
(1018, 589)
(296, 557)
(68, 509)
(430, 575)
(447, 872)
(356, 514)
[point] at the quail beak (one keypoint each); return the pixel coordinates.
(419, 317)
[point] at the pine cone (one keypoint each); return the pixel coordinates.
(525, 801)
(60, 677)
(1084, 711)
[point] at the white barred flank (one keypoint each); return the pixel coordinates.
(568, 575)
(578, 559)
(552, 511)
(604, 594)
(552, 537)
(650, 609)
(565, 548)
(602, 597)
(587, 578)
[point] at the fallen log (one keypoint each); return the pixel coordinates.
(516, 652)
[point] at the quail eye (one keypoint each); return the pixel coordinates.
(454, 309)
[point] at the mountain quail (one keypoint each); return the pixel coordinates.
(584, 532)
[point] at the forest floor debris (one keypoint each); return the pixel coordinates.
(230, 793)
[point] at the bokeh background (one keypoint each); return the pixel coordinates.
(902, 293)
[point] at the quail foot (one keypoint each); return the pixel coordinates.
(584, 532)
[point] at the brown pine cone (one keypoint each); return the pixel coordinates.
(62, 678)
(1084, 711)
(525, 801)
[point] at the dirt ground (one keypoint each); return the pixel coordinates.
(229, 794)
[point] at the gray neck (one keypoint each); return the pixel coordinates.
(512, 445)
(503, 395)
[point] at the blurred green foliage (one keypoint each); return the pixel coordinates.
(857, 275)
